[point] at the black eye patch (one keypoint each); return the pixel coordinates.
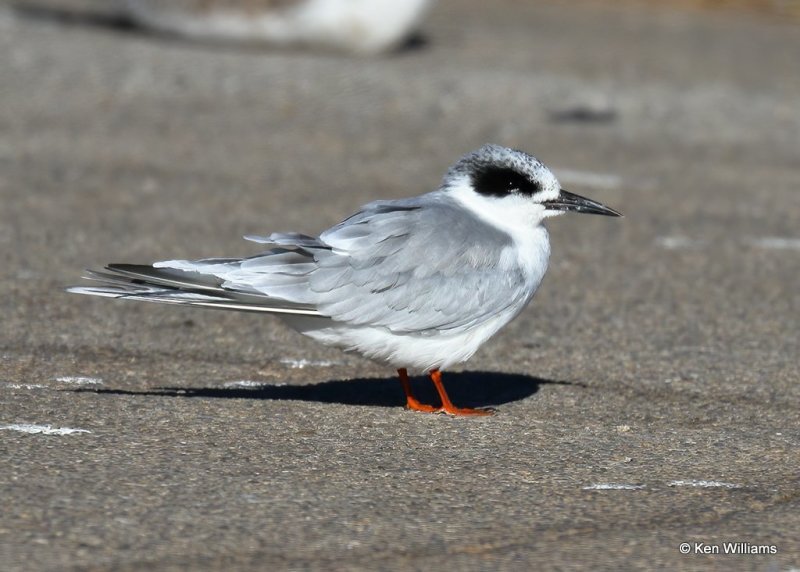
(502, 181)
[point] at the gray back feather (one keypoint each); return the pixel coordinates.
(423, 265)
(414, 265)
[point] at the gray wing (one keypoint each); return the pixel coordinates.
(416, 265)
(412, 266)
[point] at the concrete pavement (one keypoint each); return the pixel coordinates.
(648, 397)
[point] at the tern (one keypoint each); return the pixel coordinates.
(355, 26)
(416, 283)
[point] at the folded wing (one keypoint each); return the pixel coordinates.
(413, 266)
(419, 266)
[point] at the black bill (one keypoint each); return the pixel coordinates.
(567, 201)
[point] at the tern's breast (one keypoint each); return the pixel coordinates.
(533, 254)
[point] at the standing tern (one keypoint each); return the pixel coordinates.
(418, 283)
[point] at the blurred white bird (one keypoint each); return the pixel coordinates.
(416, 283)
(358, 26)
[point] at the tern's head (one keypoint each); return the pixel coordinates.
(502, 179)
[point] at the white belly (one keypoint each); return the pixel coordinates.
(419, 353)
(425, 351)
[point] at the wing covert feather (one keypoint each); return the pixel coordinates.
(413, 267)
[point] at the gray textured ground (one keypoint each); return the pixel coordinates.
(661, 350)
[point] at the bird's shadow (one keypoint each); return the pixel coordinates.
(470, 389)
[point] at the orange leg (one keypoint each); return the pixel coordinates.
(411, 401)
(447, 405)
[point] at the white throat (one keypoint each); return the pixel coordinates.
(518, 217)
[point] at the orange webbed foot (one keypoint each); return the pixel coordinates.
(412, 402)
(465, 411)
(447, 406)
(414, 405)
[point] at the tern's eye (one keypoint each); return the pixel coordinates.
(502, 181)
